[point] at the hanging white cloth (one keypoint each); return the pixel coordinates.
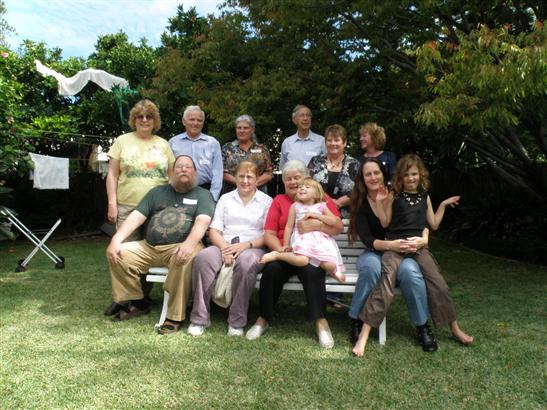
(49, 172)
(74, 84)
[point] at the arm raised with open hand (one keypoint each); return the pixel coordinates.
(434, 219)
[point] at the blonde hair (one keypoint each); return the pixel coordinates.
(403, 165)
(316, 186)
(145, 107)
(247, 166)
(377, 134)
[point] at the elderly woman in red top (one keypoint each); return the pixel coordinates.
(275, 274)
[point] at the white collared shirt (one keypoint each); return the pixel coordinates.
(234, 218)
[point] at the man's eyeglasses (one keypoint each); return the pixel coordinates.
(184, 166)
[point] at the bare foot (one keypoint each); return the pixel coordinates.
(460, 335)
(359, 348)
(269, 257)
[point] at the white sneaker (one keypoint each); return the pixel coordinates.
(325, 339)
(235, 331)
(196, 330)
(255, 332)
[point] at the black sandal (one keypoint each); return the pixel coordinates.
(114, 308)
(169, 326)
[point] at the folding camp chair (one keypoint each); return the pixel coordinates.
(40, 243)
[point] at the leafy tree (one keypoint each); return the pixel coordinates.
(184, 30)
(106, 113)
(115, 54)
(4, 26)
(12, 148)
(34, 117)
(174, 77)
(490, 84)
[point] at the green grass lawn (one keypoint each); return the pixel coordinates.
(57, 350)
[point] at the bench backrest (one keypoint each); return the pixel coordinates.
(349, 252)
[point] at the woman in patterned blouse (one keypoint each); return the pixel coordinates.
(336, 170)
(245, 147)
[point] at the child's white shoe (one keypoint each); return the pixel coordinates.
(325, 339)
(256, 331)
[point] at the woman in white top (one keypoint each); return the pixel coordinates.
(237, 237)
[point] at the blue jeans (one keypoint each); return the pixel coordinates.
(409, 277)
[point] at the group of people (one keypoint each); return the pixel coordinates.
(190, 191)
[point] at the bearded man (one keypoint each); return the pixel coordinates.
(177, 215)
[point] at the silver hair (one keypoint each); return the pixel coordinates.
(191, 108)
(245, 118)
(249, 120)
(298, 108)
(295, 165)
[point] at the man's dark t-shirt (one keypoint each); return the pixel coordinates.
(171, 215)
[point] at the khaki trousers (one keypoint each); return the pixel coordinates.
(137, 257)
(441, 305)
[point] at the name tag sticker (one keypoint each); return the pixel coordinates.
(189, 201)
(256, 150)
(311, 153)
(204, 161)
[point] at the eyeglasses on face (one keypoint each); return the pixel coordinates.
(184, 166)
(145, 117)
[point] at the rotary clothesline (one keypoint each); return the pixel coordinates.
(95, 145)
(29, 132)
(52, 172)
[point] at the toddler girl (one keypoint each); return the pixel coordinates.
(317, 248)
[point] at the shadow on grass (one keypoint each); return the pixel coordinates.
(58, 350)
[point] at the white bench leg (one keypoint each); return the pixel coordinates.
(382, 333)
(163, 310)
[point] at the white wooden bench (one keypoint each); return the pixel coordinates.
(349, 255)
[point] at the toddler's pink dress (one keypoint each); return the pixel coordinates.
(316, 245)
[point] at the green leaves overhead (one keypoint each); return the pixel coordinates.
(492, 84)
(460, 82)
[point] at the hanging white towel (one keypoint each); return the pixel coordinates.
(49, 172)
(74, 84)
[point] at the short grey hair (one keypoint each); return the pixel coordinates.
(191, 108)
(295, 165)
(298, 108)
(249, 120)
(245, 118)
